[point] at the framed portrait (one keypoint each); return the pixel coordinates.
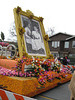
(32, 40)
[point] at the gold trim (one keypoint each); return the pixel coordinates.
(29, 12)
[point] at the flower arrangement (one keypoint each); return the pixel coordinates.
(3, 57)
(43, 69)
(4, 44)
(42, 80)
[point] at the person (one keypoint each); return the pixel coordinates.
(37, 43)
(59, 58)
(65, 61)
(28, 38)
(28, 34)
(72, 87)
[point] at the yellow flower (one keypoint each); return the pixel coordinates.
(38, 73)
(32, 64)
(39, 66)
(40, 76)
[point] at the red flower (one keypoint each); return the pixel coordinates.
(35, 70)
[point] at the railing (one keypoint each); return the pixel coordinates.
(10, 51)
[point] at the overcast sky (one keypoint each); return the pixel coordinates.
(59, 14)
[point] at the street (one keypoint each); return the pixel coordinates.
(58, 93)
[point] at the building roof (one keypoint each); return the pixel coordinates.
(70, 38)
(60, 33)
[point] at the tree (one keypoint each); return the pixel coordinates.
(2, 36)
(12, 33)
(50, 31)
(0, 40)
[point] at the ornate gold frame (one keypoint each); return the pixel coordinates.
(20, 32)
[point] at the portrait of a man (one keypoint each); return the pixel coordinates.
(33, 37)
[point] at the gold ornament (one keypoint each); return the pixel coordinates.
(31, 16)
(41, 19)
(46, 37)
(29, 12)
(18, 9)
(21, 30)
(50, 56)
(25, 54)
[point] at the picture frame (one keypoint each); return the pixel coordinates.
(31, 36)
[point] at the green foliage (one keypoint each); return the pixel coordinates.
(0, 40)
(2, 36)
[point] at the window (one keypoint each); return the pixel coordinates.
(52, 43)
(55, 44)
(58, 43)
(73, 44)
(66, 45)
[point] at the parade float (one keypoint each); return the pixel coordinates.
(35, 70)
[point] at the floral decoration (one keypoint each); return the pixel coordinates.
(4, 44)
(3, 57)
(43, 69)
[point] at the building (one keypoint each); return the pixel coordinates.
(62, 44)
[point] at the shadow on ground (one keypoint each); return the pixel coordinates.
(58, 93)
